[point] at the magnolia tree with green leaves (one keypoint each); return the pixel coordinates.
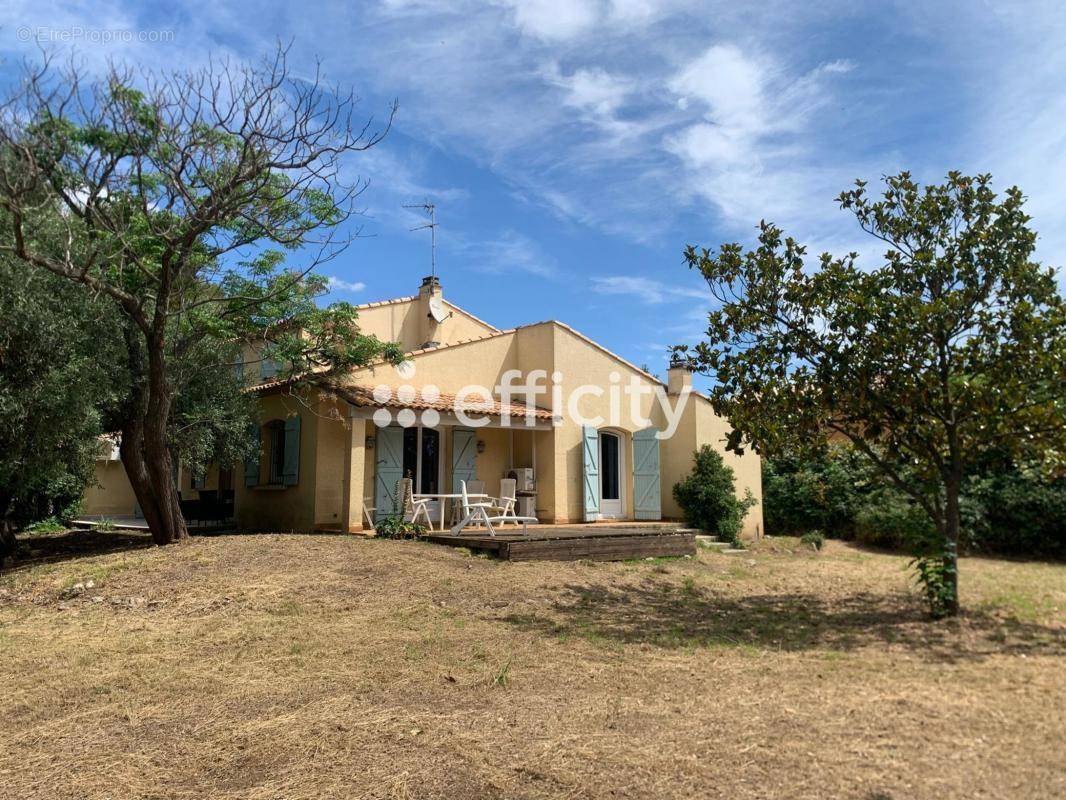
(199, 205)
(955, 345)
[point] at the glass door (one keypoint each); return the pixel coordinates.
(610, 475)
(422, 464)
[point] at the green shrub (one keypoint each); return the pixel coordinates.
(708, 497)
(1007, 508)
(819, 493)
(47, 525)
(889, 520)
(395, 527)
(1020, 513)
(814, 538)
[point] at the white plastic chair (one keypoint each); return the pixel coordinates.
(506, 502)
(478, 514)
(408, 506)
(368, 512)
(459, 508)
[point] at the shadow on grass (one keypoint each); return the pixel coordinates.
(669, 616)
(51, 548)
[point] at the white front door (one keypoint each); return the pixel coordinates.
(611, 475)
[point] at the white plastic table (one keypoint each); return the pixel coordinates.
(478, 496)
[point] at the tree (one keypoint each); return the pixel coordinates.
(184, 197)
(956, 345)
(54, 381)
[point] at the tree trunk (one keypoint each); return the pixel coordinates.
(952, 524)
(7, 539)
(149, 469)
(145, 455)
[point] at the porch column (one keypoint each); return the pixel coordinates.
(352, 489)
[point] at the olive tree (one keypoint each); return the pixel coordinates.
(199, 203)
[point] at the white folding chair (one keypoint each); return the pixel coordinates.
(476, 513)
(408, 506)
(506, 502)
(368, 512)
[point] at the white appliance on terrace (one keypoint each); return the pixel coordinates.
(525, 491)
(524, 481)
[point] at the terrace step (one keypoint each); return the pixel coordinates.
(711, 542)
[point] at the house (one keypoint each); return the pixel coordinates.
(589, 435)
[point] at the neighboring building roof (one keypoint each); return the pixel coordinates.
(367, 397)
(411, 298)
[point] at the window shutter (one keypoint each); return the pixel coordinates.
(464, 456)
(590, 462)
(290, 475)
(199, 481)
(268, 368)
(388, 469)
(238, 367)
(251, 465)
(647, 502)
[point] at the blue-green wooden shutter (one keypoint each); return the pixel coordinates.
(389, 469)
(268, 368)
(199, 481)
(647, 494)
(290, 472)
(251, 465)
(464, 457)
(590, 462)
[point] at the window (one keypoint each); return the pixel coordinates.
(275, 441)
(421, 459)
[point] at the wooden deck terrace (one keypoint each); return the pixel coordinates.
(616, 542)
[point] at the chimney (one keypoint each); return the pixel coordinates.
(678, 377)
(430, 309)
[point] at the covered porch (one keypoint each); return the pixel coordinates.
(437, 449)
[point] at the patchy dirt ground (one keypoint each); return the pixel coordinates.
(280, 666)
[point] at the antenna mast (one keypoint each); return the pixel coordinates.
(431, 210)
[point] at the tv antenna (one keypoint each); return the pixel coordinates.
(431, 211)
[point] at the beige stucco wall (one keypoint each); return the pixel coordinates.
(110, 493)
(405, 322)
(700, 426)
(281, 508)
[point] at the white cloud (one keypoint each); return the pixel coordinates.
(593, 89)
(554, 19)
(752, 153)
(729, 83)
(510, 252)
(340, 285)
(1017, 132)
(644, 289)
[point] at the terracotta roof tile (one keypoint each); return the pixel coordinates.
(364, 397)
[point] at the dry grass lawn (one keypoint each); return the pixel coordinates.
(281, 666)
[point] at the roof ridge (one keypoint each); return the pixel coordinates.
(476, 319)
(393, 301)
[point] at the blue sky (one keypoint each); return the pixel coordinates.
(573, 147)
